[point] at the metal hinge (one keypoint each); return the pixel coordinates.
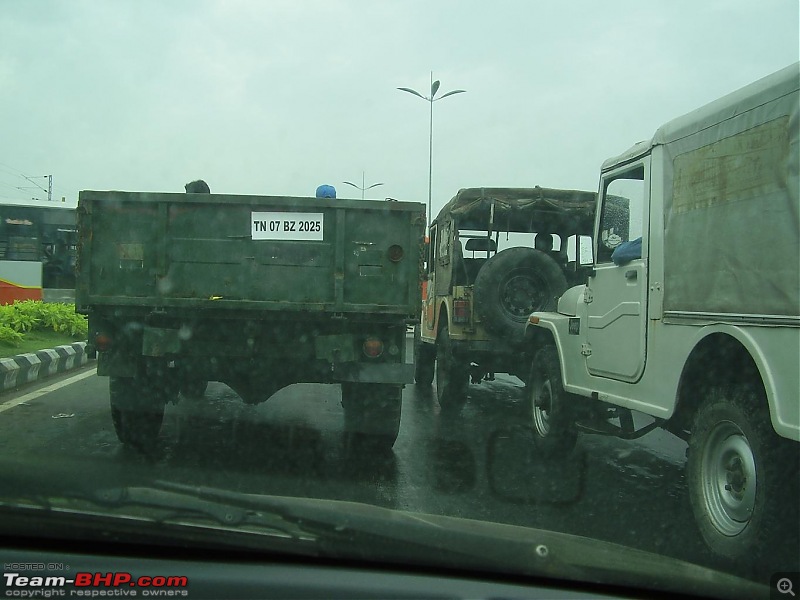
(586, 350)
(588, 296)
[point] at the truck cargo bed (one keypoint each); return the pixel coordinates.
(214, 251)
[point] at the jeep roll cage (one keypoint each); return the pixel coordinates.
(521, 210)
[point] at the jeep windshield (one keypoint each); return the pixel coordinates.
(390, 299)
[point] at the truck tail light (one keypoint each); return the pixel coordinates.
(460, 311)
(373, 347)
(102, 342)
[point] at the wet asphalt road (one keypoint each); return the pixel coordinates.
(479, 464)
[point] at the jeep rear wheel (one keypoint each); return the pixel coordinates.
(511, 285)
(424, 360)
(452, 375)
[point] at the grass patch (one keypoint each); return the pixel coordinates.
(38, 340)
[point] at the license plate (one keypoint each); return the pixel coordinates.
(287, 226)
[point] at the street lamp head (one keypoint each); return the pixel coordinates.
(434, 89)
(410, 91)
(358, 187)
(363, 187)
(451, 93)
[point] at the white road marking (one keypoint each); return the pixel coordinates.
(45, 390)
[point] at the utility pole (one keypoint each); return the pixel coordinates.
(49, 189)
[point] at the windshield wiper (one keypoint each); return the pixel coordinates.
(336, 529)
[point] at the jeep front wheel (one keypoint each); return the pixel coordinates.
(742, 476)
(552, 409)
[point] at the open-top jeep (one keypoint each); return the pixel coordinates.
(495, 255)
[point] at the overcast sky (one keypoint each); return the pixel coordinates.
(276, 97)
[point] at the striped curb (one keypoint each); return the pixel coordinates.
(25, 368)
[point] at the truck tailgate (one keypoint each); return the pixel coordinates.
(249, 252)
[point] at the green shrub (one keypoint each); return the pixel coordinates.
(32, 315)
(20, 316)
(9, 337)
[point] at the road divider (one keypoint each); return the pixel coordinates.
(26, 368)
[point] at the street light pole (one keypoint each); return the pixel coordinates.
(431, 99)
(362, 187)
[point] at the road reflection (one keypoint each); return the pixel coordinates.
(478, 463)
(518, 474)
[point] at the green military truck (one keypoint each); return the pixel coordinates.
(257, 292)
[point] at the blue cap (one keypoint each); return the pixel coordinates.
(326, 191)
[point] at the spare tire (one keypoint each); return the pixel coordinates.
(511, 285)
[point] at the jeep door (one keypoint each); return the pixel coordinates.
(616, 294)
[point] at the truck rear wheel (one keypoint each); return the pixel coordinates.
(372, 414)
(742, 476)
(137, 415)
(552, 411)
(424, 360)
(452, 375)
(194, 388)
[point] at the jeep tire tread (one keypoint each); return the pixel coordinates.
(511, 285)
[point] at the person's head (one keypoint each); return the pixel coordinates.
(197, 187)
(326, 191)
(543, 242)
